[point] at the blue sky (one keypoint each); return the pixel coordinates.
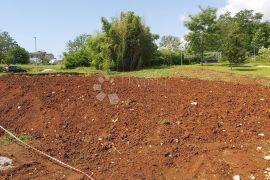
(55, 22)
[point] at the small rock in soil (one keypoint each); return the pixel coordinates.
(194, 103)
(267, 157)
(236, 177)
(5, 163)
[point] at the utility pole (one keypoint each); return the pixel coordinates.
(35, 44)
(254, 53)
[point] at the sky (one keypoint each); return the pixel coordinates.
(54, 22)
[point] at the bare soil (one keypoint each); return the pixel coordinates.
(167, 128)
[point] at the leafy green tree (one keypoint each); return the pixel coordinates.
(78, 43)
(76, 54)
(203, 31)
(261, 36)
(6, 43)
(17, 55)
(249, 23)
(170, 43)
(45, 60)
(131, 42)
(234, 46)
(98, 48)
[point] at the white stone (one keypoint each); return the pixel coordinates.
(267, 157)
(115, 120)
(236, 177)
(48, 70)
(252, 177)
(261, 134)
(5, 163)
(259, 148)
(194, 103)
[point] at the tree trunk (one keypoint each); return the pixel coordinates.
(202, 58)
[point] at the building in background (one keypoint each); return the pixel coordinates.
(40, 57)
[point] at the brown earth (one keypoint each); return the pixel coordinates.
(153, 133)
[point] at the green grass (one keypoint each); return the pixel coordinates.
(219, 72)
(4, 140)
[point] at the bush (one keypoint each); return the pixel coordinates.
(166, 57)
(264, 54)
(76, 59)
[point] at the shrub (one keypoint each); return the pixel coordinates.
(76, 59)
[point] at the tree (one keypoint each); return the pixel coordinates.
(17, 55)
(203, 31)
(98, 48)
(249, 23)
(45, 59)
(261, 36)
(76, 54)
(131, 42)
(170, 43)
(78, 43)
(234, 48)
(6, 43)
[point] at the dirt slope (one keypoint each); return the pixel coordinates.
(153, 133)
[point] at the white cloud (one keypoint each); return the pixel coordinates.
(261, 6)
(183, 18)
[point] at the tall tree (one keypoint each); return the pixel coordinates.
(248, 22)
(78, 43)
(234, 46)
(203, 31)
(132, 44)
(170, 43)
(6, 43)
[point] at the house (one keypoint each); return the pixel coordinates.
(39, 56)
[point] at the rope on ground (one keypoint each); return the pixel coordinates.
(46, 155)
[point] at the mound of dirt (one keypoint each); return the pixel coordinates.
(167, 128)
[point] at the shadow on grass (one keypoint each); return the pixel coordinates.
(245, 69)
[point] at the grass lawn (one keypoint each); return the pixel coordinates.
(220, 72)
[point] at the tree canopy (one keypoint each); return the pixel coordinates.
(6, 43)
(130, 42)
(17, 55)
(203, 31)
(78, 43)
(124, 44)
(170, 43)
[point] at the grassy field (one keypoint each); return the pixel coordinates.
(220, 72)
